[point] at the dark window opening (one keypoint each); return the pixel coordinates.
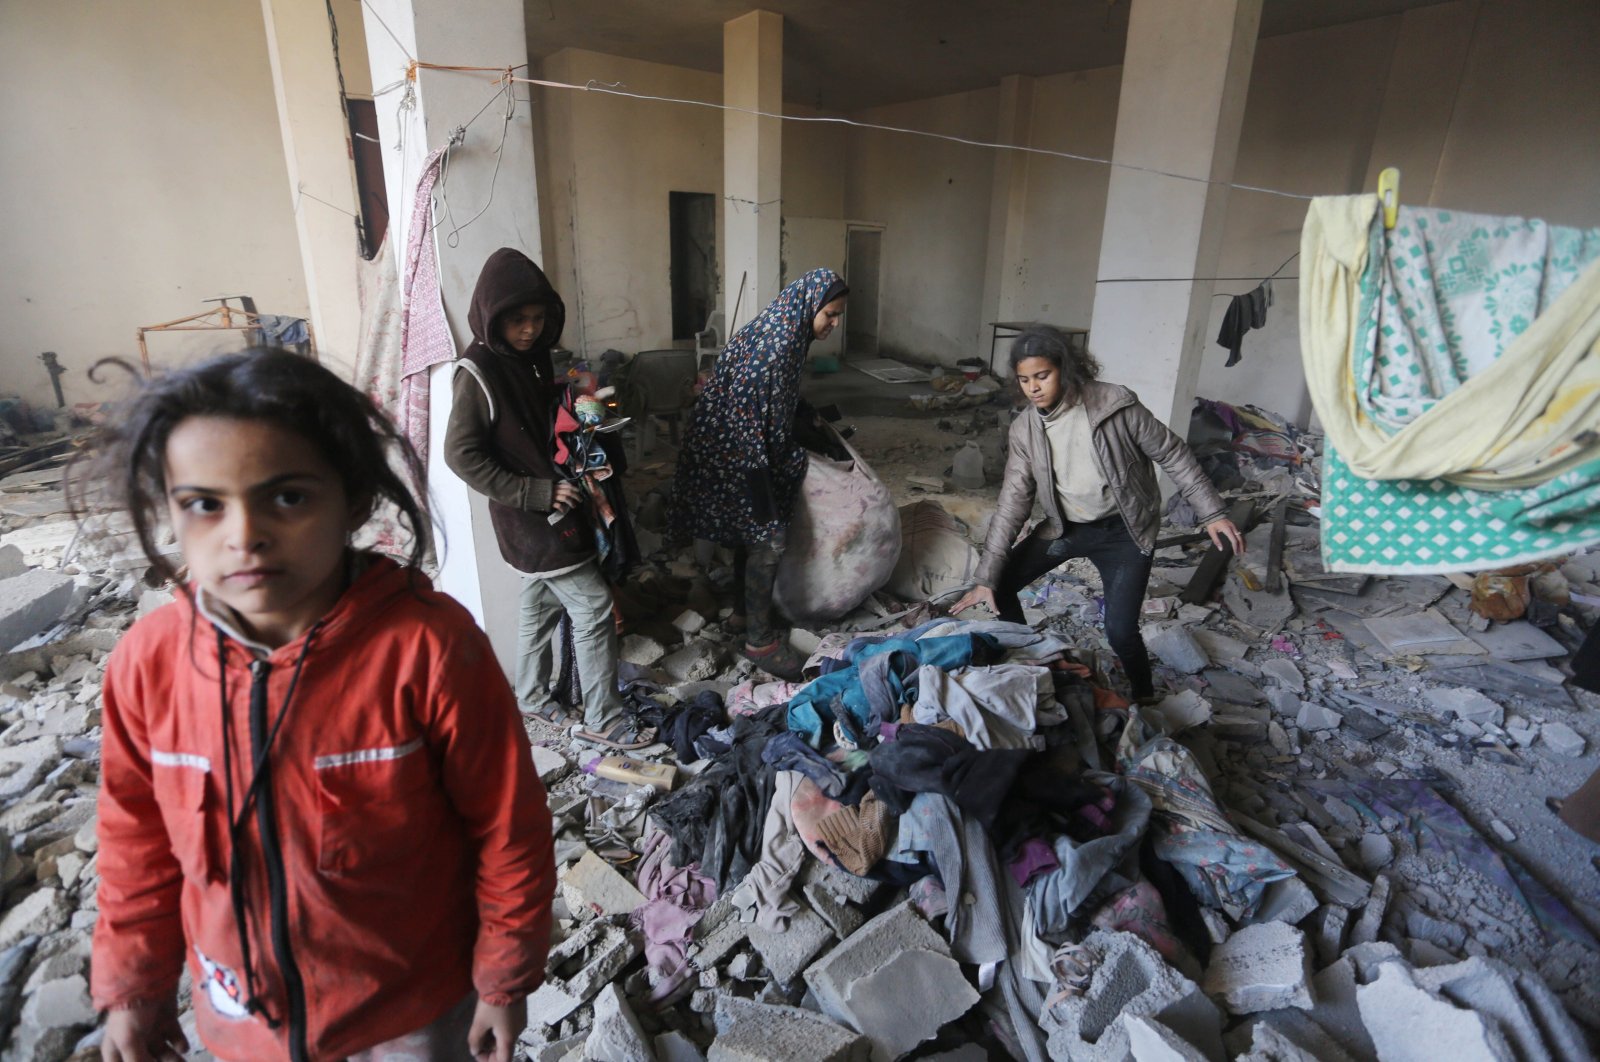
(694, 260)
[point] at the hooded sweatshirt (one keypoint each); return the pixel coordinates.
(501, 435)
(395, 855)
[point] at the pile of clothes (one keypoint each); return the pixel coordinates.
(972, 763)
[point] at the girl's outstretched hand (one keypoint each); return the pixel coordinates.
(978, 595)
(495, 1030)
(145, 1032)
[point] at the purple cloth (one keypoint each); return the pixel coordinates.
(675, 900)
(1035, 857)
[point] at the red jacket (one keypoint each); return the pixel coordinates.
(412, 859)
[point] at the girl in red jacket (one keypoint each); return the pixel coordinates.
(316, 787)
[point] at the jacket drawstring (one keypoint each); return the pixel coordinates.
(236, 879)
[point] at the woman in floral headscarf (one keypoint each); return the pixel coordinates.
(740, 468)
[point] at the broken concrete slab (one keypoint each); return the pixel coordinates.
(1376, 851)
(550, 764)
(689, 622)
(53, 1018)
(1314, 716)
(1327, 928)
(1151, 1041)
(1291, 1036)
(583, 963)
(1260, 609)
(1172, 644)
(40, 912)
(1562, 740)
(843, 918)
(1179, 711)
(698, 661)
(616, 1035)
(1286, 900)
(1370, 924)
(907, 1001)
(1228, 686)
(1425, 633)
(1489, 988)
(549, 1005)
(1517, 641)
(1130, 980)
(676, 1047)
(1465, 703)
(1223, 650)
(879, 983)
(592, 887)
(1282, 671)
(787, 952)
(1409, 1023)
(1261, 967)
(31, 603)
(748, 1031)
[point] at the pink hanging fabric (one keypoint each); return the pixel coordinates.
(425, 339)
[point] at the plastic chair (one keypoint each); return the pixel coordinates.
(658, 383)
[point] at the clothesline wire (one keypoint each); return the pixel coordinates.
(1184, 280)
(614, 88)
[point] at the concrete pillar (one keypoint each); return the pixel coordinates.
(752, 166)
(1184, 80)
(316, 146)
(412, 123)
(1003, 273)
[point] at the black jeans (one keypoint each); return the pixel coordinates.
(1124, 572)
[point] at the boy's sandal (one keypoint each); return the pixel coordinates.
(551, 713)
(623, 734)
(779, 659)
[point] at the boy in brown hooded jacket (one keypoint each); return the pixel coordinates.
(501, 442)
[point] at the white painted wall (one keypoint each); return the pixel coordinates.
(143, 172)
(933, 198)
(613, 162)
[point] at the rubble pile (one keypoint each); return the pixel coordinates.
(1326, 840)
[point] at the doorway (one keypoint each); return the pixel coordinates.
(693, 222)
(863, 268)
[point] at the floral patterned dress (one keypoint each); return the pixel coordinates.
(743, 424)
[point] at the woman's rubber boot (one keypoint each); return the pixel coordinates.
(779, 659)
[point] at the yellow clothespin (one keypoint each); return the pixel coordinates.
(1389, 194)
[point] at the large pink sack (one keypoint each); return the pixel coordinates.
(843, 541)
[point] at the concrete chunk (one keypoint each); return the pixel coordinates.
(1150, 1041)
(1370, 924)
(550, 1005)
(870, 948)
(1131, 980)
(31, 603)
(788, 952)
(1466, 703)
(1489, 989)
(676, 1047)
(1335, 988)
(1261, 967)
(748, 1031)
(40, 912)
(616, 1035)
(907, 1001)
(1562, 740)
(1283, 672)
(1172, 644)
(592, 887)
(640, 650)
(1408, 1023)
(1313, 716)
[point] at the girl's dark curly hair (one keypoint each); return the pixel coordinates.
(127, 466)
(1078, 367)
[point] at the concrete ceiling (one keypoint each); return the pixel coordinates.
(846, 56)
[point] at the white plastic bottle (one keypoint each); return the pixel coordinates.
(968, 471)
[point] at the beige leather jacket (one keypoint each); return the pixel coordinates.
(1127, 440)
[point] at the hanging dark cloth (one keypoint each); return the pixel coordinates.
(1244, 312)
